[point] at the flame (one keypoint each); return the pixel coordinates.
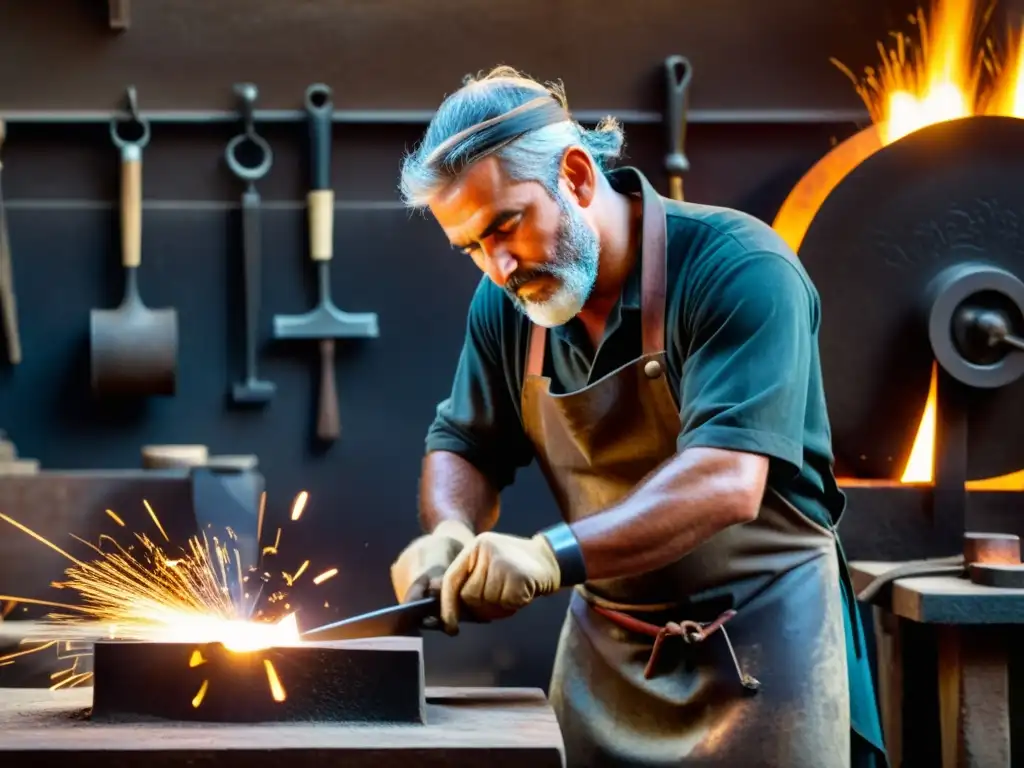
(947, 74)
(920, 465)
(139, 593)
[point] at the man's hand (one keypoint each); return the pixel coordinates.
(496, 575)
(426, 559)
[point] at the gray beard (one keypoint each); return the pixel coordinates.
(574, 269)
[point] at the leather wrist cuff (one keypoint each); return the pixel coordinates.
(568, 554)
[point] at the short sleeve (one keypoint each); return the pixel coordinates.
(479, 420)
(746, 374)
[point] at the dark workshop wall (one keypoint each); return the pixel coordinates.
(61, 182)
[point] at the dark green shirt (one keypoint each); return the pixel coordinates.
(741, 334)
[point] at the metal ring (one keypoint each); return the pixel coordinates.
(949, 290)
(245, 172)
(133, 117)
(319, 92)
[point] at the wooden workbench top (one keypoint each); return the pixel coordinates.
(496, 727)
(943, 599)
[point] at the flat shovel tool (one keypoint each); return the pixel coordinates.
(134, 349)
(325, 322)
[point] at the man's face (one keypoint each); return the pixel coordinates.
(540, 250)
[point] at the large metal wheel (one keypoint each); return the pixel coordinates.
(915, 251)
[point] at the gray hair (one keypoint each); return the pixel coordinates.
(534, 156)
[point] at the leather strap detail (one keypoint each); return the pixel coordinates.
(689, 631)
(566, 549)
(653, 272)
(535, 350)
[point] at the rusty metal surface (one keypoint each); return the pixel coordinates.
(465, 728)
(378, 682)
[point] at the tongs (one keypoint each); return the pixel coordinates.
(406, 619)
(402, 619)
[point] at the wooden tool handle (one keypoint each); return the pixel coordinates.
(131, 205)
(319, 111)
(328, 422)
(321, 224)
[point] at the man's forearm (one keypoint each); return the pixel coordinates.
(690, 498)
(451, 488)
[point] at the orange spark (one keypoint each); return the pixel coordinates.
(259, 517)
(41, 540)
(299, 505)
(276, 689)
(328, 574)
(156, 520)
(198, 699)
(290, 580)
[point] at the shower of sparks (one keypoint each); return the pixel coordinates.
(138, 592)
(950, 69)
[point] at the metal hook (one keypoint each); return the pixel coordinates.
(247, 93)
(134, 117)
(133, 103)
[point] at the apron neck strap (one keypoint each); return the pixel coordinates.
(653, 266)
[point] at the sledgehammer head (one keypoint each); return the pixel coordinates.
(326, 321)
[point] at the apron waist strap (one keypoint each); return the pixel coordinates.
(689, 631)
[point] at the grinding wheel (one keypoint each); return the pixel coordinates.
(947, 195)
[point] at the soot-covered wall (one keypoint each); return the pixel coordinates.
(753, 61)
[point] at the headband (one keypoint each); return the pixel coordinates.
(473, 142)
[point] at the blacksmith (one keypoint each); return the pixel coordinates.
(659, 360)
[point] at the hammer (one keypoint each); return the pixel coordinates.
(325, 321)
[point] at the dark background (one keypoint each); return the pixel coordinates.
(766, 104)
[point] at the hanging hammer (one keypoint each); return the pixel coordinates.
(325, 321)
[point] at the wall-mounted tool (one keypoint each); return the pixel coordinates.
(134, 349)
(325, 322)
(119, 13)
(678, 74)
(8, 303)
(12, 464)
(174, 456)
(252, 390)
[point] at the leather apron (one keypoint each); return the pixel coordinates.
(779, 573)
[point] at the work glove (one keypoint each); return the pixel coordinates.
(426, 559)
(495, 575)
